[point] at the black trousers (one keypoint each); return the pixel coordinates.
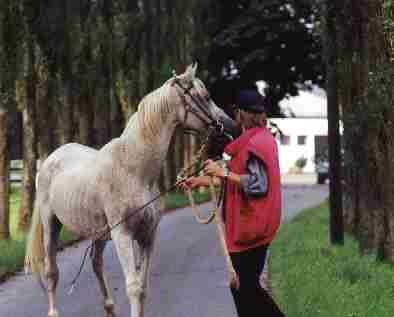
(251, 297)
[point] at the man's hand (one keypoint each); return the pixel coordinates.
(234, 280)
(213, 168)
(193, 182)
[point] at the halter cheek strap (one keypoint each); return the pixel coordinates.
(207, 117)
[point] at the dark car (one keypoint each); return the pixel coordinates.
(322, 167)
(322, 171)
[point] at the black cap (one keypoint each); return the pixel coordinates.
(251, 101)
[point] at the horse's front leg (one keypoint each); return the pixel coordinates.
(146, 256)
(127, 254)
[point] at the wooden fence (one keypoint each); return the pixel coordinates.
(16, 171)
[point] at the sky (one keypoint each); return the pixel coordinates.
(307, 104)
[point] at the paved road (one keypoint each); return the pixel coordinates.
(188, 275)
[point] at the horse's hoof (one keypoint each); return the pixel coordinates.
(109, 309)
(53, 313)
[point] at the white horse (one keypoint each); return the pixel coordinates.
(89, 191)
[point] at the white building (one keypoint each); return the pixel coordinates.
(304, 131)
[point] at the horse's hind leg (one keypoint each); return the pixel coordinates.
(97, 263)
(52, 228)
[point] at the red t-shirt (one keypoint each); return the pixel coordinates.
(251, 222)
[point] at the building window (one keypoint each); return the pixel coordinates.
(284, 139)
(301, 140)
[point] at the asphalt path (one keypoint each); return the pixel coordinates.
(188, 277)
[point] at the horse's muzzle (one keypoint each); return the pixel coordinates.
(225, 133)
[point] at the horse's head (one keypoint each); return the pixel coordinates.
(196, 111)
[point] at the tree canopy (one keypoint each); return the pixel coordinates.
(276, 41)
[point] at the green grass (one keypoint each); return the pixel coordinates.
(12, 252)
(178, 199)
(313, 278)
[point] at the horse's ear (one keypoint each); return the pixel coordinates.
(191, 71)
(195, 65)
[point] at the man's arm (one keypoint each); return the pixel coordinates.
(255, 182)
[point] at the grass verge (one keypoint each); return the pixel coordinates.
(12, 252)
(313, 278)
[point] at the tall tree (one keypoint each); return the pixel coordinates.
(44, 110)
(67, 74)
(112, 56)
(10, 31)
(331, 53)
(4, 176)
(85, 77)
(4, 153)
(29, 121)
(368, 116)
(102, 114)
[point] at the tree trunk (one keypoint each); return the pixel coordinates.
(44, 115)
(386, 238)
(102, 128)
(331, 51)
(67, 78)
(381, 145)
(85, 104)
(367, 135)
(4, 148)
(85, 122)
(66, 122)
(372, 220)
(149, 51)
(29, 145)
(4, 177)
(117, 118)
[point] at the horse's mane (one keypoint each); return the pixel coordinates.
(155, 107)
(151, 113)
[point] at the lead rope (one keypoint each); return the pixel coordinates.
(182, 176)
(233, 277)
(196, 214)
(215, 215)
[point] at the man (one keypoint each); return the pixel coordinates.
(252, 202)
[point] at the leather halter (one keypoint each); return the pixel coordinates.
(199, 110)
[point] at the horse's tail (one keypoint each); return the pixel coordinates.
(34, 257)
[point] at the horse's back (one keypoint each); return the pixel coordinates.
(64, 158)
(73, 152)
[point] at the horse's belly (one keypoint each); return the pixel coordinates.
(78, 210)
(83, 223)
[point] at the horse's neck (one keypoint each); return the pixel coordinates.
(145, 152)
